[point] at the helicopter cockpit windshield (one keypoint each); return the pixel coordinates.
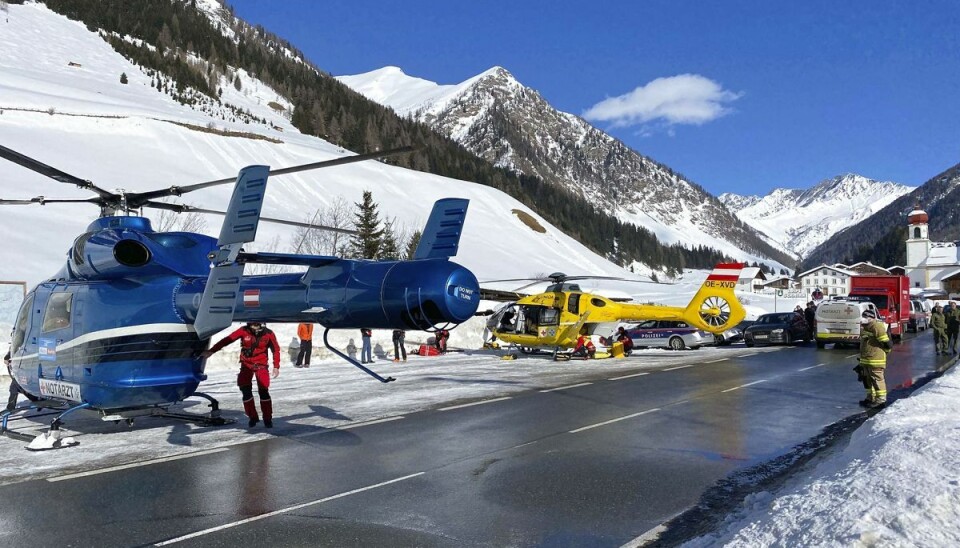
(20, 328)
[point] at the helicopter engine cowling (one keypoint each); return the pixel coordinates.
(132, 249)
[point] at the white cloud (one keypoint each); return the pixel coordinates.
(681, 99)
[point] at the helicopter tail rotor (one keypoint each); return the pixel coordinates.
(715, 307)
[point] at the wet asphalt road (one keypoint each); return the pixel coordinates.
(596, 464)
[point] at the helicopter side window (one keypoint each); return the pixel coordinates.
(57, 315)
(550, 316)
(20, 328)
(597, 302)
(573, 303)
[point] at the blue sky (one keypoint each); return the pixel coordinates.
(739, 96)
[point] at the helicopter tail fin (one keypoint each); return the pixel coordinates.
(222, 292)
(715, 307)
(441, 236)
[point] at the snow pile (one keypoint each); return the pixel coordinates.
(895, 484)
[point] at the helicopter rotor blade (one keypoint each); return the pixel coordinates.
(42, 200)
(183, 208)
(138, 199)
(52, 172)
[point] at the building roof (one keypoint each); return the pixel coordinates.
(752, 273)
(868, 269)
(841, 269)
(917, 216)
(944, 275)
(942, 254)
(777, 279)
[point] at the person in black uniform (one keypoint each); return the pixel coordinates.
(15, 388)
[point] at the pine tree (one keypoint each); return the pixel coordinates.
(389, 250)
(236, 82)
(366, 243)
(123, 78)
(412, 245)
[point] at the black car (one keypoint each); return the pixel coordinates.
(732, 335)
(777, 328)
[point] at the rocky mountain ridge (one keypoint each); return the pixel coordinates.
(801, 220)
(513, 126)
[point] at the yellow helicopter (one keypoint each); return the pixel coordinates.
(555, 318)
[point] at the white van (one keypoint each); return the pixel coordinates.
(838, 322)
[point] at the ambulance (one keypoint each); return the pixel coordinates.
(838, 322)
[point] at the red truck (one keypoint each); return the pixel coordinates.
(891, 295)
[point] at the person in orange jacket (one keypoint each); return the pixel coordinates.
(255, 340)
(305, 333)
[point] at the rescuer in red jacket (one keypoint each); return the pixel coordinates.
(255, 339)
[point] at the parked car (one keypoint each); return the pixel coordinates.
(919, 316)
(777, 328)
(734, 334)
(675, 335)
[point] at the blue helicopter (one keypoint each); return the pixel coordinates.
(120, 329)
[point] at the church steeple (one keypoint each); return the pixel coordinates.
(918, 247)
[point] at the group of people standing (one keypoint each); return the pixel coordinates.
(259, 347)
(945, 322)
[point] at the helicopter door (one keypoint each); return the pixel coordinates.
(573, 303)
(57, 365)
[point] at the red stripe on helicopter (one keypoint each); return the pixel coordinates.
(726, 272)
(251, 298)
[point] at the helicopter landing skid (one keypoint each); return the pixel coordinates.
(4, 431)
(213, 419)
(202, 420)
(354, 362)
(53, 438)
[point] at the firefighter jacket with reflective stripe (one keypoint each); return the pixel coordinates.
(874, 344)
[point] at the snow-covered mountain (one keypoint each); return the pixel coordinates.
(62, 102)
(513, 126)
(801, 220)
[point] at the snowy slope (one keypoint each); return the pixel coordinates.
(803, 219)
(512, 126)
(83, 121)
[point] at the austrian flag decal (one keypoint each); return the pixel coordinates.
(251, 298)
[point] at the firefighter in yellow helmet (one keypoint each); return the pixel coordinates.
(874, 347)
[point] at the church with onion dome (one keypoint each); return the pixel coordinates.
(930, 265)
